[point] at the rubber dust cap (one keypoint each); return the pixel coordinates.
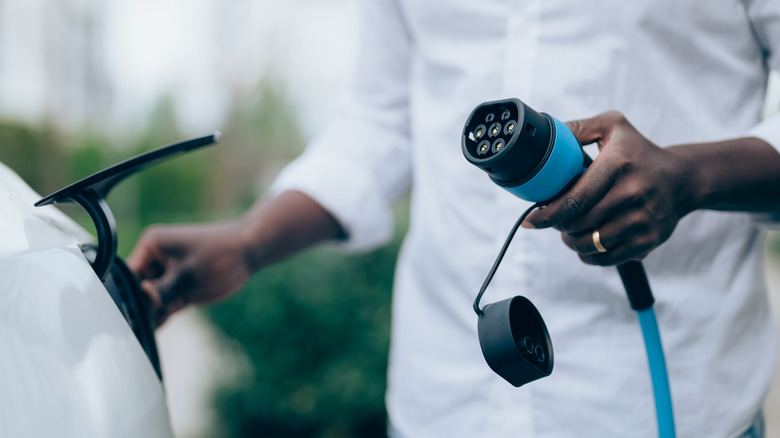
(515, 341)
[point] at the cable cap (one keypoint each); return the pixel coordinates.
(515, 341)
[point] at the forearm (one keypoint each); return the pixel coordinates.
(736, 175)
(279, 227)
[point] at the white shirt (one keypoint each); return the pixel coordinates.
(681, 71)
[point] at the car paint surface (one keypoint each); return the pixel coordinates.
(70, 365)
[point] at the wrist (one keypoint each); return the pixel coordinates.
(691, 181)
(737, 175)
(279, 227)
(253, 241)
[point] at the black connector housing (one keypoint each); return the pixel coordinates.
(527, 137)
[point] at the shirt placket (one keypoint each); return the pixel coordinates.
(521, 48)
(513, 407)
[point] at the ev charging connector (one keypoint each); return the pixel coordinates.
(533, 156)
(536, 157)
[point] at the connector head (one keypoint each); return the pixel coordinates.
(520, 140)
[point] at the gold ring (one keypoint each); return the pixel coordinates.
(597, 242)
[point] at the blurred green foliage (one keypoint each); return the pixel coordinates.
(314, 329)
(34, 152)
(773, 242)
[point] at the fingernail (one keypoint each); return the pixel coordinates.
(527, 225)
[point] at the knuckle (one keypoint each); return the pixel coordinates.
(575, 126)
(151, 234)
(570, 241)
(564, 227)
(579, 244)
(616, 117)
(623, 165)
(633, 195)
(588, 260)
(639, 221)
(646, 243)
(572, 205)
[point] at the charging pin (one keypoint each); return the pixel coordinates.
(483, 147)
(494, 129)
(479, 131)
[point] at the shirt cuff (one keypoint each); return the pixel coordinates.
(347, 192)
(768, 130)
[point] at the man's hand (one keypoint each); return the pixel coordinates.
(198, 264)
(189, 264)
(634, 194)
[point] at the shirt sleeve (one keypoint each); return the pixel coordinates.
(360, 164)
(764, 16)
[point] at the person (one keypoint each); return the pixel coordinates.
(689, 77)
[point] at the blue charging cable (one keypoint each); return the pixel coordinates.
(658, 372)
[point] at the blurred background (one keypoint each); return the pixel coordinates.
(301, 351)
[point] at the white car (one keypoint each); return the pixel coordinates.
(78, 354)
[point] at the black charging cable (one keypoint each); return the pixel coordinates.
(500, 256)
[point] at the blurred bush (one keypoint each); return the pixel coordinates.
(773, 241)
(34, 152)
(316, 332)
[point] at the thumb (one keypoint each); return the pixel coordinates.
(166, 294)
(153, 300)
(151, 255)
(146, 260)
(595, 129)
(172, 285)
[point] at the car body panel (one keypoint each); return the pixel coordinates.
(70, 365)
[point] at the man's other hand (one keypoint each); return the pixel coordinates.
(189, 264)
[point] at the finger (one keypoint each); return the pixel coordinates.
(581, 197)
(584, 243)
(156, 245)
(153, 299)
(622, 241)
(595, 129)
(173, 288)
(158, 311)
(146, 260)
(169, 284)
(616, 202)
(616, 256)
(152, 294)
